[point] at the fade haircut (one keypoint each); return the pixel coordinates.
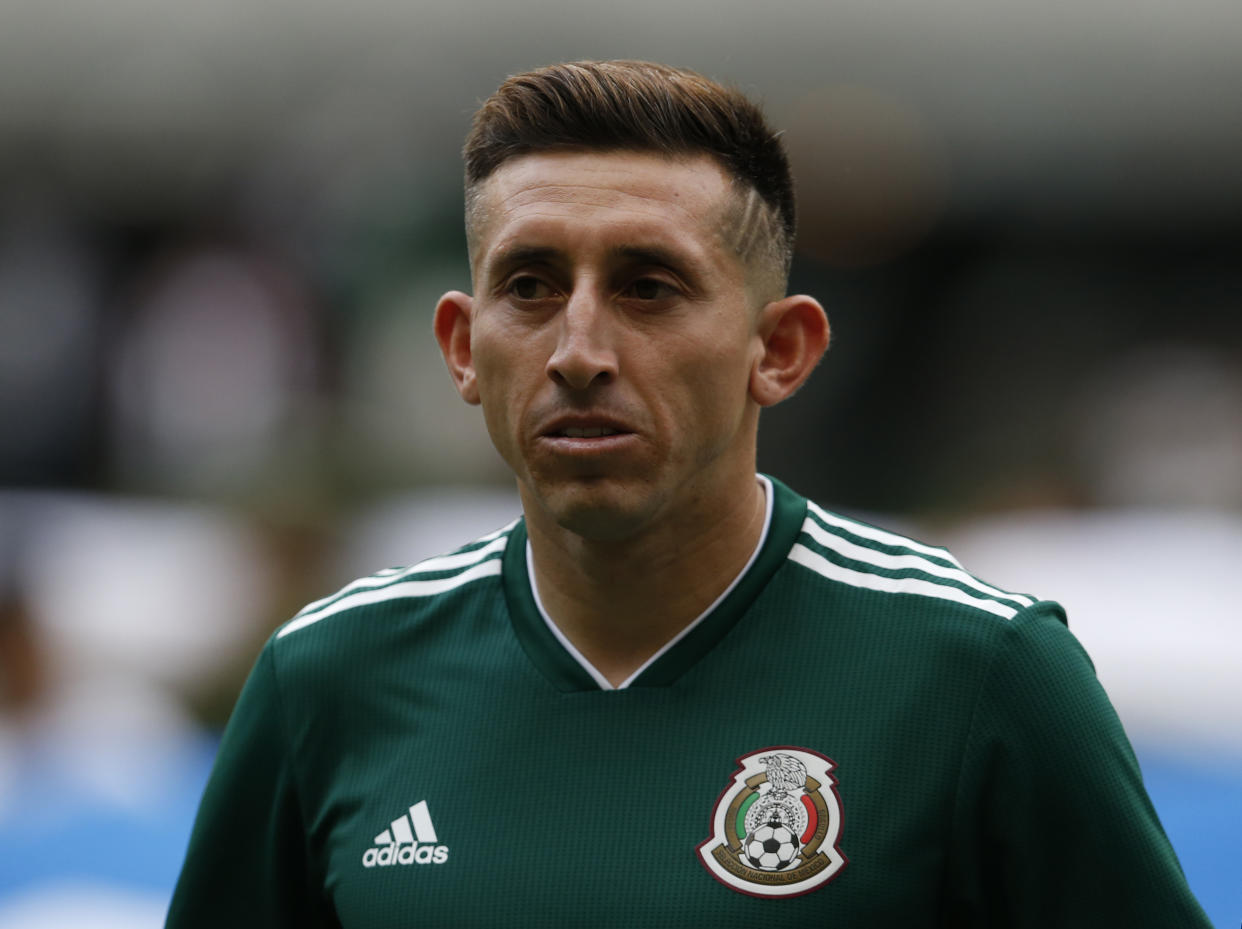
(640, 106)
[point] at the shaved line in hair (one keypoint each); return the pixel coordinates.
(752, 229)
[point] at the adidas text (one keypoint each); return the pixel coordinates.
(409, 839)
(405, 854)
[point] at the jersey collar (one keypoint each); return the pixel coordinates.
(555, 657)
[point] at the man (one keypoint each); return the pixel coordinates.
(674, 693)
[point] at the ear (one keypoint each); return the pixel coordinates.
(452, 328)
(794, 335)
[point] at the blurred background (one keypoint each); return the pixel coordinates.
(223, 228)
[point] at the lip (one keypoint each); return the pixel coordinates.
(611, 428)
(603, 435)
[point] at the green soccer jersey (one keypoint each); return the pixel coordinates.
(857, 734)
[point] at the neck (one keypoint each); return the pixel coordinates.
(620, 602)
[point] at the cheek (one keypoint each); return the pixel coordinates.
(708, 393)
(493, 371)
(502, 415)
(509, 370)
(719, 369)
(497, 360)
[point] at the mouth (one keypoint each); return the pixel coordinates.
(582, 435)
(583, 425)
(585, 432)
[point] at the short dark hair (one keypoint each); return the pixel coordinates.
(644, 107)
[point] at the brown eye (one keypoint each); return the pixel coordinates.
(529, 288)
(649, 288)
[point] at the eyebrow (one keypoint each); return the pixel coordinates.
(649, 254)
(523, 254)
(643, 254)
(517, 255)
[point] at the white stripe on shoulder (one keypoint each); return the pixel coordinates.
(878, 535)
(396, 591)
(899, 562)
(896, 585)
(439, 563)
(459, 559)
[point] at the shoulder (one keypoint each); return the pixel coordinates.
(394, 596)
(900, 575)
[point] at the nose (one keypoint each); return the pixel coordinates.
(584, 355)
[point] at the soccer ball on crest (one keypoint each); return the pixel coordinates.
(771, 847)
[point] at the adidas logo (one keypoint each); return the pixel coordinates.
(399, 844)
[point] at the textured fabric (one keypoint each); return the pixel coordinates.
(420, 750)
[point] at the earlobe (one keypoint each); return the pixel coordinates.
(794, 335)
(452, 329)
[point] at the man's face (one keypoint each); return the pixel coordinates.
(612, 338)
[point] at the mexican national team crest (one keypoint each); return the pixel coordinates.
(776, 829)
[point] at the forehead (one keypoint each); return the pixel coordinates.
(604, 195)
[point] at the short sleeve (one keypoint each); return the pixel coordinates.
(247, 863)
(1052, 823)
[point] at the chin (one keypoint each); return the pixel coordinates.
(600, 511)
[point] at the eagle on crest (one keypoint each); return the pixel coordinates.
(784, 773)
